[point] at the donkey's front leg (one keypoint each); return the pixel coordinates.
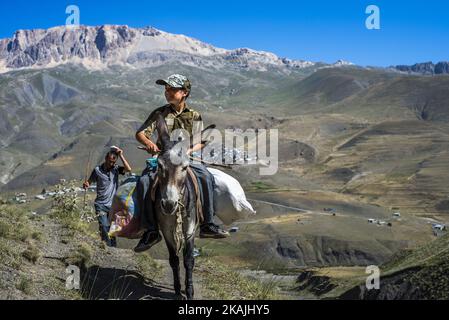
(174, 264)
(189, 262)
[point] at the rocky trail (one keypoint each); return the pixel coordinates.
(34, 267)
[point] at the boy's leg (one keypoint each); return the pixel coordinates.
(144, 203)
(146, 213)
(208, 228)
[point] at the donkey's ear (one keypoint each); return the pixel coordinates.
(207, 132)
(162, 129)
(212, 126)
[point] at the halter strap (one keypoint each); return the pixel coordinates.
(199, 207)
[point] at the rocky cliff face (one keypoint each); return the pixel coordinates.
(442, 67)
(426, 68)
(121, 45)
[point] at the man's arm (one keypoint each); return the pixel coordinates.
(92, 178)
(126, 165)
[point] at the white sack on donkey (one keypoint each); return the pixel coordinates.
(231, 200)
(231, 205)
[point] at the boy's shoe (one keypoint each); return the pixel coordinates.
(149, 239)
(213, 231)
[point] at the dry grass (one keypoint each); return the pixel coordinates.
(14, 223)
(9, 255)
(25, 284)
(148, 267)
(16, 232)
(223, 283)
(81, 256)
(32, 254)
(66, 209)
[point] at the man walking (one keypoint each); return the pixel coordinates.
(106, 177)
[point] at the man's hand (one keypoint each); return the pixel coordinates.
(86, 185)
(119, 151)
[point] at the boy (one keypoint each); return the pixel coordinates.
(177, 116)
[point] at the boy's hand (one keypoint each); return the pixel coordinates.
(152, 148)
(86, 185)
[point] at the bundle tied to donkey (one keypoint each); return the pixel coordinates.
(232, 204)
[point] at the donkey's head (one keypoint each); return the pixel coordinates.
(173, 162)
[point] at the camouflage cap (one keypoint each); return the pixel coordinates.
(176, 81)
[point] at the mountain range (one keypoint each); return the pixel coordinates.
(102, 46)
(99, 47)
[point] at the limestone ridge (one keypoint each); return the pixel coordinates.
(107, 45)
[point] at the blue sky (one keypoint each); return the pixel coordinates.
(411, 31)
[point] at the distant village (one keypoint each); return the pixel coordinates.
(438, 229)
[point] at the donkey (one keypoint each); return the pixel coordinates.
(175, 202)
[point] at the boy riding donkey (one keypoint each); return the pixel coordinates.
(177, 116)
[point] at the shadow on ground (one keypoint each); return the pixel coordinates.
(110, 283)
